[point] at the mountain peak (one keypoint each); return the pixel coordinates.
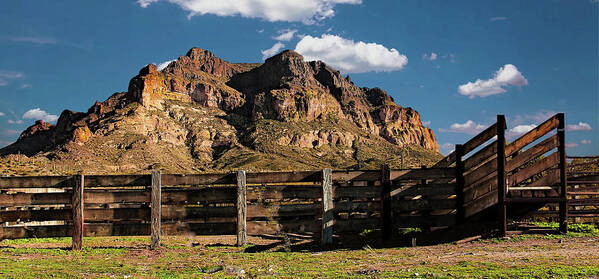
(202, 112)
(197, 53)
(286, 55)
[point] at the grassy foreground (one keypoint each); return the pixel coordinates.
(574, 255)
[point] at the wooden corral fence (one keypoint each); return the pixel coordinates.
(582, 191)
(316, 203)
(484, 175)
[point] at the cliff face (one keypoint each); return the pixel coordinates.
(202, 112)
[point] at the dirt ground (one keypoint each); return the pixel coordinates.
(534, 256)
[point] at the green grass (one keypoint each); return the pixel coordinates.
(191, 257)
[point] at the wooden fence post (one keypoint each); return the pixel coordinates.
(241, 208)
(563, 204)
(501, 185)
(77, 206)
(327, 207)
(386, 222)
(156, 208)
(459, 189)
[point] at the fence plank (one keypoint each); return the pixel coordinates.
(35, 232)
(501, 175)
(428, 173)
(281, 177)
(563, 185)
(117, 180)
(482, 171)
(481, 138)
(283, 192)
(539, 166)
(340, 175)
(357, 206)
(386, 206)
(327, 207)
(483, 202)
(198, 179)
(36, 182)
(459, 185)
(481, 156)
(532, 153)
(35, 215)
(531, 136)
(156, 207)
(473, 193)
(241, 207)
(366, 192)
(424, 190)
(423, 204)
(25, 199)
(77, 206)
(551, 178)
(283, 210)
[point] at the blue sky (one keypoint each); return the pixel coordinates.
(533, 58)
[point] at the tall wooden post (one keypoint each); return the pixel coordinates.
(387, 226)
(327, 207)
(77, 206)
(459, 183)
(563, 204)
(156, 209)
(501, 185)
(241, 208)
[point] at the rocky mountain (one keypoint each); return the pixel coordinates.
(204, 113)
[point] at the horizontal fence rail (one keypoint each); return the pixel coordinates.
(315, 203)
(531, 174)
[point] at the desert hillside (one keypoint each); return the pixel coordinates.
(202, 113)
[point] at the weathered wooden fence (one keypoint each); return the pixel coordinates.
(481, 174)
(317, 203)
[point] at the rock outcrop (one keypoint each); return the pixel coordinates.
(202, 112)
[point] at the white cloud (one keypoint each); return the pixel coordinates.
(581, 126)
(447, 145)
(307, 11)
(519, 130)
(498, 18)
(571, 144)
(285, 35)
(506, 75)
(11, 132)
(10, 121)
(2, 113)
(585, 141)
(349, 56)
(469, 127)
(5, 76)
(25, 86)
(426, 123)
(272, 51)
(447, 148)
(431, 57)
(261, 31)
(163, 65)
(38, 114)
